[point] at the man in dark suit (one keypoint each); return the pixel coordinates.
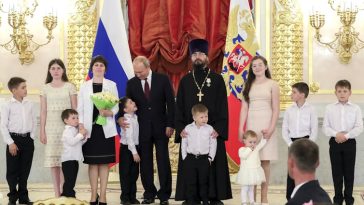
(153, 94)
(303, 159)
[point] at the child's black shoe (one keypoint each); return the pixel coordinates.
(134, 201)
(25, 203)
(125, 202)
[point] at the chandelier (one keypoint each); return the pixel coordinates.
(21, 40)
(346, 41)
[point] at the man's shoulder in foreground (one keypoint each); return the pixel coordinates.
(310, 191)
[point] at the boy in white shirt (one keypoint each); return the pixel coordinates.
(129, 157)
(18, 125)
(343, 122)
(198, 151)
(299, 121)
(73, 139)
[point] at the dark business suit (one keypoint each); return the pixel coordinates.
(154, 115)
(310, 191)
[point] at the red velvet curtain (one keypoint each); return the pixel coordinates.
(161, 30)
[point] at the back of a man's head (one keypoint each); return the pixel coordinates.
(305, 153)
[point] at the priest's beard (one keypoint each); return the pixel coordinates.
(199, 64)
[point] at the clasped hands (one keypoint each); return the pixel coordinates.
(340, 137)
(82, 131)
(105, 113)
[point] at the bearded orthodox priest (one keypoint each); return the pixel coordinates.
(202, 85)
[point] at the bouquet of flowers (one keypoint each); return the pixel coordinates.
(104, 101)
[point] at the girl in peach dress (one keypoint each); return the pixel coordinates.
(260, 112)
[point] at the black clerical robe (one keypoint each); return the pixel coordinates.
(215, 99)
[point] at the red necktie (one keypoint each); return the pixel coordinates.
(146, 89)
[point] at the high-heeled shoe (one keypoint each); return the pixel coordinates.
(102, 203)
(95, 202)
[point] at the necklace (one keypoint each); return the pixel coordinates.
(200, 94)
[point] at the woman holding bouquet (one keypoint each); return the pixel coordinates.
(99, 150)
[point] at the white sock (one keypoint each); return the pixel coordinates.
(251, 194)
(243, 193)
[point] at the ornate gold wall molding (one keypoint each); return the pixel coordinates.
(287, 47)
(173, 154)
(81, 33)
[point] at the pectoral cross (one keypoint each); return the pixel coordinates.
(200, 95)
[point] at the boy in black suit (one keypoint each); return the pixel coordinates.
(303, 159)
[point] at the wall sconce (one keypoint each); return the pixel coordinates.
(20, 39)
(346, 41)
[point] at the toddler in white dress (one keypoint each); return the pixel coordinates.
(251, 172)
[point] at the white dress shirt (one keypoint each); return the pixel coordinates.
(343, 118)
(72, 144)
(149, 79)
(199, 141)
(130, 136)
(18, 117)
(299, 122)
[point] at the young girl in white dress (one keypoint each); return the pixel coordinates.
(251, 172)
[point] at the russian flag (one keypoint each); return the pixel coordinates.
(112, 43)
(240, 48)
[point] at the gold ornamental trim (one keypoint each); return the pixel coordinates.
(81, 33)
(287, 48)
(233, 166)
